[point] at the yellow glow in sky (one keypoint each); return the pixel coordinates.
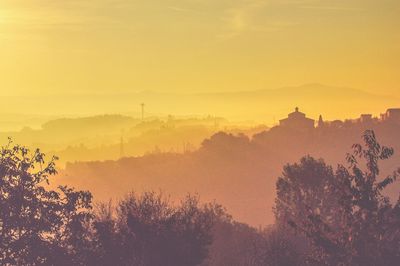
(84, 46)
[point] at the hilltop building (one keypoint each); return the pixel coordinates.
(366, 118)
(391, 115)
(297, 121)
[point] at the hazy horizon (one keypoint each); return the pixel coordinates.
(261, 106)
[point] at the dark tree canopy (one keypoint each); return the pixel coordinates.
(150, 230)
(41, 226)
(345, 213)
(38, 225)
(323, 217)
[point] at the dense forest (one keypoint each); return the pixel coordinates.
(323, 216)
(238, 171)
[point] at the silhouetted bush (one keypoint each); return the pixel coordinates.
(150, 230)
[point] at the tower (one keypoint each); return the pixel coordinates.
(320, 121)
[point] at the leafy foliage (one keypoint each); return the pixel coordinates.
(344, 214)
(38, 225)
(339, 217)
(57, 227)
(149, 230)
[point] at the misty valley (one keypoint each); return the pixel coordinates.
(133, 186)
(199, 133)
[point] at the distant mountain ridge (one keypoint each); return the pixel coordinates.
(260, 105)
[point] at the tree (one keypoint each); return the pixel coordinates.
(304, 187)
(305, 190)
(150, 230)
(38, 225)
(345, 214)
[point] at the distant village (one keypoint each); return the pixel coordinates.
(298, 120)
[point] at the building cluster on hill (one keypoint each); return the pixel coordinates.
(300, 122)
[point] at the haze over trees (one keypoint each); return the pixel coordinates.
(200, 133)
(40, 226)
(241, 169)
(323, 217)
(110, 137)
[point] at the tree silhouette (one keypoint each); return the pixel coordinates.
(149, 230)
(38, 225)
(305, 190)
(345, 214)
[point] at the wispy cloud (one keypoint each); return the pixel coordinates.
(185, 10)
(332, 8)
(179, 9)
(250, 16)
(48, 15)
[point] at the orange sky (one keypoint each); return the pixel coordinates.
(85, 46)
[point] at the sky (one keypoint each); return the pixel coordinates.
(103, 46)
